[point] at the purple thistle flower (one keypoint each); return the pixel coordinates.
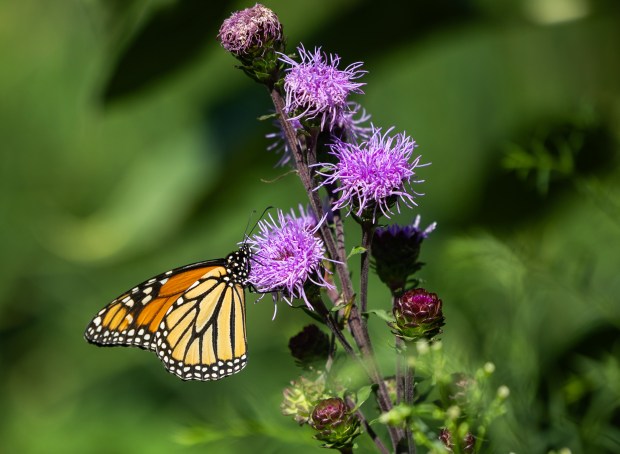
(350, 125)
(287, 254)
(249, 30)
(353, 129)
(374, 174)
(315, 88)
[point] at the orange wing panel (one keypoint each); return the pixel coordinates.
(153, 313)
(179, 283)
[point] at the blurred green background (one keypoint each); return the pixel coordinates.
(130, 145)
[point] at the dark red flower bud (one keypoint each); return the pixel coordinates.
(469, 443)
(446, 438)
(309, 346)
(335, 425)
(418, 315)
(329, 413)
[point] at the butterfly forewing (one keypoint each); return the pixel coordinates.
(193, 317)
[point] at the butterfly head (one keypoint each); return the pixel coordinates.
(238, 264)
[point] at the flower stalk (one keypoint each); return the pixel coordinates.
(356, 325)
(367, 235)
(404, 387)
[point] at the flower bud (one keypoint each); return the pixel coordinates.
(418, 315)
(395, 251)
(254, 35)
(334, 423)
(469, 443)
(503, 392)
(310, 346)
(446, 438)
(392, 388)
(457, 390)
(300, 397)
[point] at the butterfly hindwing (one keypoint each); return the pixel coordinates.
(193, 317)
(203, 335)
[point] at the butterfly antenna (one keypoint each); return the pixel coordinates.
(247, 233)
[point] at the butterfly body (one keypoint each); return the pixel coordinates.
(192, 317)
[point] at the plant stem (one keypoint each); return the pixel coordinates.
(404, 384)
(356, 325)
(368, 428)
(367, 232)
(320, 308)
(400, 372)
(404, 389)
(338, 225)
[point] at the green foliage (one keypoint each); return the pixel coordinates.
(560, 151)
(356, 251)
(129, 145)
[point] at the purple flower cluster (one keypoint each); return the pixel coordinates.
(372, 175)
(316, 88)
(287, 253)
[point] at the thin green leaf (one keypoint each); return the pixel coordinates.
(356, 251)
(382, 314)
(362, 396)
(268, 117)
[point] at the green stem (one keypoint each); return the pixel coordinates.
(404, 389)
(367, 427)
(368, 229)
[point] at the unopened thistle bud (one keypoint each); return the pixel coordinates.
(395, 251)
(392, 388)
(446, 438)
(334, 423)
(458, 389)
(309, 347)
(469, 443)
(418, 315)
(301, 396)
(254, 35)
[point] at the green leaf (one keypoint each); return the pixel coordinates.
(362, 396)
(382, 314)
(355, 251)
(312, 314)
(268, 116)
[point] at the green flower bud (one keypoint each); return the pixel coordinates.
(301, 397)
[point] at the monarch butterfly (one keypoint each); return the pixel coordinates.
(192, 317)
